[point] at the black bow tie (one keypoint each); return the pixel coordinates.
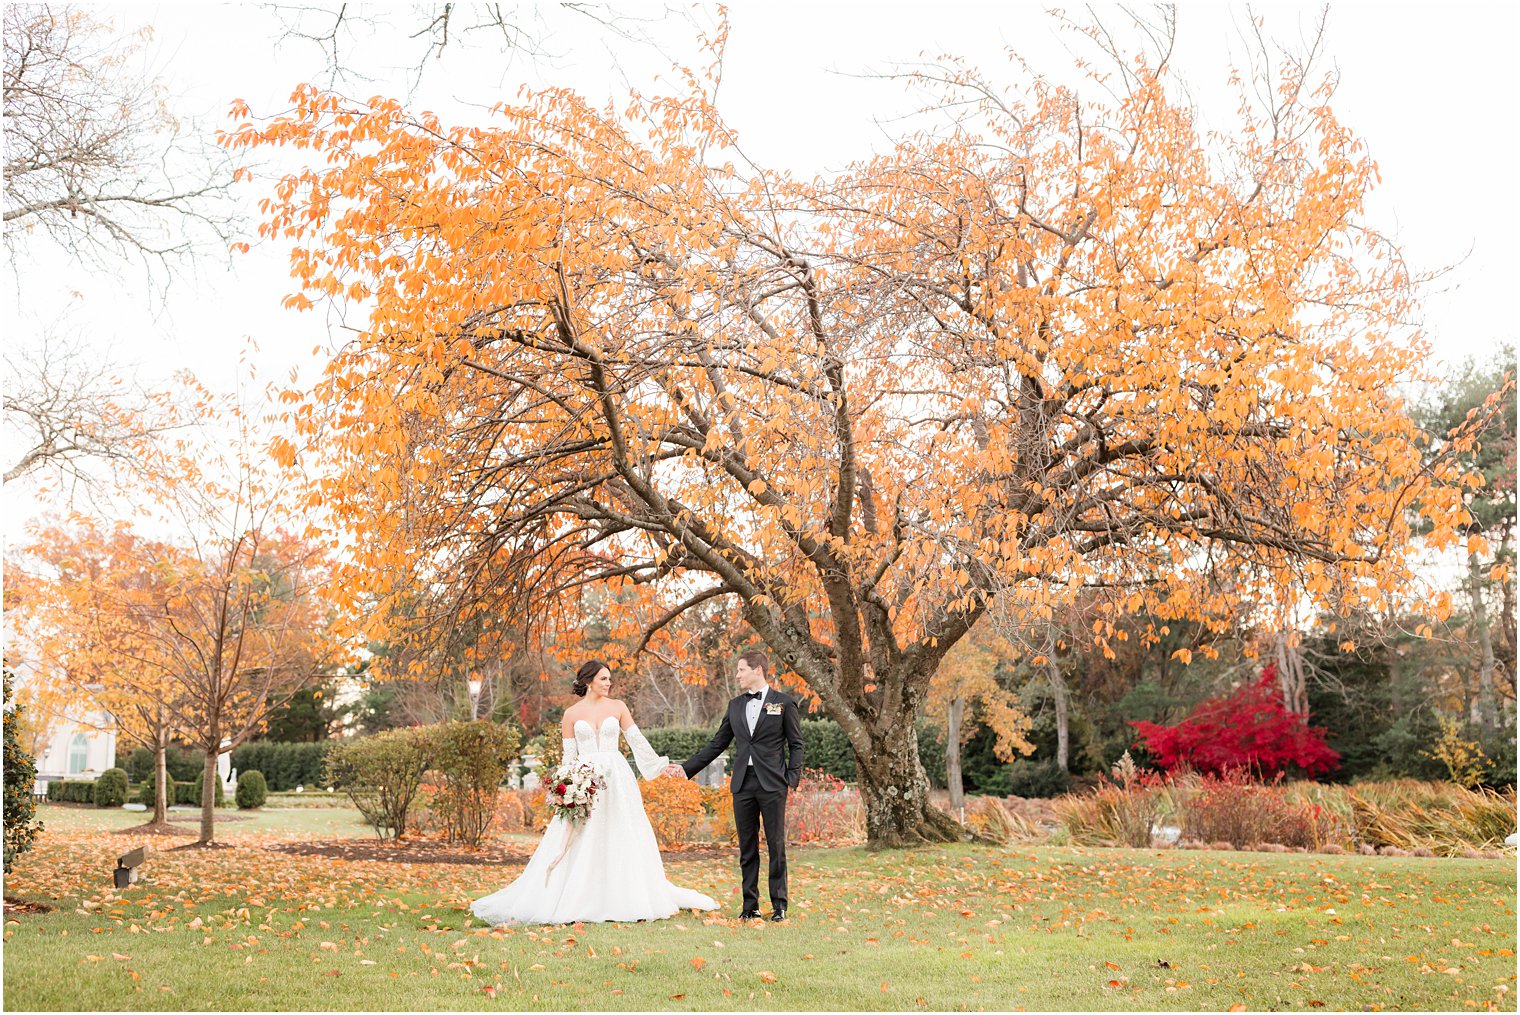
(754, 694)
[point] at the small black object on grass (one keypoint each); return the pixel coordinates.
(126, 866)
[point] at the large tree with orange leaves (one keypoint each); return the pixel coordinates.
(1063, 343)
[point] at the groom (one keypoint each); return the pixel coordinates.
(761, 720)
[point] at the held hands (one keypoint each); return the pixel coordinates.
(675, 771)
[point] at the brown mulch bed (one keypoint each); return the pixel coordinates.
(495, 854)
(22, 906)
(199, 845)
(164, 829)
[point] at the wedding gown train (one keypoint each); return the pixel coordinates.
(611, 868)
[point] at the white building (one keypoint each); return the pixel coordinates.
(78, 744)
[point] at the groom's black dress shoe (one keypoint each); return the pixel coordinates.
(750, 914)
(778, 916)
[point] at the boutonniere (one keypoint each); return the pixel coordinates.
(773, 708)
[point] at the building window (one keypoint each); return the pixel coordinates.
(79, 754)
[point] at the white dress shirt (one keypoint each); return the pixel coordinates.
(752, 711)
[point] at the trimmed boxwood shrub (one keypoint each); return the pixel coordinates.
(110, 788)
(147, 791)
(824, 746)
(284, 766)
(71, 791)
(252, 790)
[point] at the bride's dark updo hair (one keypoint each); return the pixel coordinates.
(585, 675)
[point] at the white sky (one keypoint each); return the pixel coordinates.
(1431, 88)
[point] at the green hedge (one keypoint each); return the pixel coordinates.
(284, 766)
(824, 746)
(680, 742)
(183, 763)
(189, 793)
(71, 791)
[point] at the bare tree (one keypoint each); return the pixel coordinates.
(94, 160)
(64, 409)
(344, 33)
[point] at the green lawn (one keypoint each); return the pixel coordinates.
(294, 823)
(955, 928)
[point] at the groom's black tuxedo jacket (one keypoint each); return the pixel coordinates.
(771, 770)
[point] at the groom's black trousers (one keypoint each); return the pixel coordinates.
(752, 805)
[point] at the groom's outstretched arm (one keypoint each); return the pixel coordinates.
(791, 725)
(716, 746)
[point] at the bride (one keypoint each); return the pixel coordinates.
(609, 867)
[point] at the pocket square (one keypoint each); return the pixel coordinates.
(774, 708)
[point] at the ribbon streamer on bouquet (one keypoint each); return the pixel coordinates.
(571, 832)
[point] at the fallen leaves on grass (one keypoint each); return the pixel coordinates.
(971, 905)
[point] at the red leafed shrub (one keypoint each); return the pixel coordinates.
(824, 809)
(1237, 809)
(1250, 730)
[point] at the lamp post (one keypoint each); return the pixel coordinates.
(475, 684)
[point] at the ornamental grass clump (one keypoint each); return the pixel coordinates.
(1123, 810)
(1443, 817)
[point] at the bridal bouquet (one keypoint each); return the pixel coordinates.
(573, 790)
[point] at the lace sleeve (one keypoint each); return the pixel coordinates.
(571, 752)
(650, 764)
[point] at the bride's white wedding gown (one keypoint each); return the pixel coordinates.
(611, 869)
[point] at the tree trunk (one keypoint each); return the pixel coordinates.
(208, 799)
(953, 756)
(161, 767)
(1290, 673)
(1485, 711)
(895, 790)
(1063, 714)
(1395, 680)
(1507, 616)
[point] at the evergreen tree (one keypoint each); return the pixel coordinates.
(21, 824)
